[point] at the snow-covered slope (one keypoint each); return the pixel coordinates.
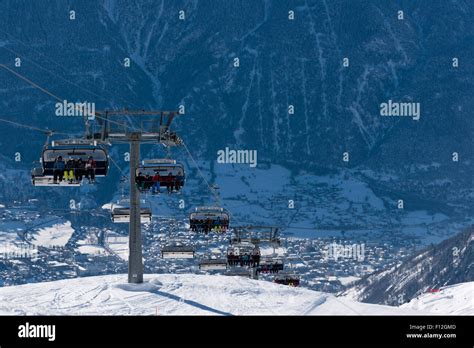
(187, 294)
(454, 299)
(447, 263)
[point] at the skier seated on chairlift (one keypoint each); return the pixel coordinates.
(249, 259)
(236, 259)
(193, 226)
(169, 182)
(255, 258)
(144, 182)
(224, 224)
(90, 168)
(201, 227)
(244, 260)
(79, 167)
(217, 226)
(156, 182)
(179, 181)
(231, 258)
(69, 170)
(150, 182)
(58, 169)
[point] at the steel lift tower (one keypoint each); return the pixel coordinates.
(151, 130)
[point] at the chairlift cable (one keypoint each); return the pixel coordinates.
(216, 197)
(56, 75)
(42, 130)
(55, 63)
(55, 96)
(31, 82)
(59, 76)
(115, 163)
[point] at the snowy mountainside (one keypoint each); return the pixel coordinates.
(455, 299)
(282, 63)
(184, 294)
(447, 263)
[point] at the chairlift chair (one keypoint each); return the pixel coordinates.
(69, 149)
(207, 219)
(256, 235)
(270, 264)
(213, 264)
(155, 173)
(243, 254)
(177, 252)
(290, 279)
(120, 212)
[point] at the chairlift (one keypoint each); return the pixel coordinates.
(243, 254)
(256, 235)
(270, 264)
(120, 212)
(156, 173)
(69, 174)
(207, 219)
(177, 252)
(290, 279)
(213, 264)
